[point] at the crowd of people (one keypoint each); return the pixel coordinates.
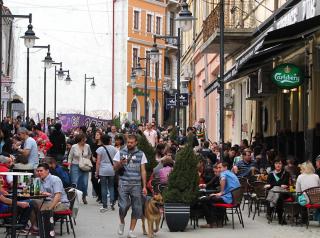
(110, 159)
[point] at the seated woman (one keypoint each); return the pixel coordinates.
(307, 179)
(24, 208)
(278, 179)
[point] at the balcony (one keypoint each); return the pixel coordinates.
(239, 25)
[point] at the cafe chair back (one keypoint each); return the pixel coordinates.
(234, 207)
(66, 215)
(313, 195)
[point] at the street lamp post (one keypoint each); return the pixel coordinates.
(29, 41)
(221, 81)
(184, 23)
(139, 71)
(47, 64)
(93, 85)
(60, 74)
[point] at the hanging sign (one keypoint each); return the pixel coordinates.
(287, 76)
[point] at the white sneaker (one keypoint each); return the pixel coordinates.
(103, 209)
(131, 235)
(121, 229)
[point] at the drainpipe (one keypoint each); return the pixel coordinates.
(207, 97)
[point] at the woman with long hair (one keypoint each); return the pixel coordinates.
(78, 176)
(95, 182)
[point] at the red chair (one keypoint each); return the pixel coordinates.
(313, 195)
(234, 207)
(66, 215)
(5, 215)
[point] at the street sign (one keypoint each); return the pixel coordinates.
(184, 99)
(170, 102)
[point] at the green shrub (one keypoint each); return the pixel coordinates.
(184, 179)
(149, 151)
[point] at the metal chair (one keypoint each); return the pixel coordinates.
(313, 195)
(66, 215)
(234, 207)
(258, 197)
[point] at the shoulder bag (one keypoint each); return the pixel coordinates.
(85, 164)
(120, 171)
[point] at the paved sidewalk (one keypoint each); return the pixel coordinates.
(92, 223)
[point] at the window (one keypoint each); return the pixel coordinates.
(167, 66)
(158, 25)
(134, 110)
(134, 57)
(136, 20)
(149, 22)
(171, 24)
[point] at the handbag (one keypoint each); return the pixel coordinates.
(85, 164)
(302, 200)
(118, 172)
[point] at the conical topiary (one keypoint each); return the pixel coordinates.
(184, 179)
(149, 151)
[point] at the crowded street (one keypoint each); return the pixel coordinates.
(159, 118)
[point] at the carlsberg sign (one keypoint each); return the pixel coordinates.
(287, 76)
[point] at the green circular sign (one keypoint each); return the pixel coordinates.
(287, 76)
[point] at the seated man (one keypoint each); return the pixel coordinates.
(228, 182)
(24, 208)
(245, 167)
(51, 186)
(57, 170)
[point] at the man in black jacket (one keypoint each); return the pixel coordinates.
(58, 141)
(207, 153)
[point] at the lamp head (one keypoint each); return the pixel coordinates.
(154, 54)
(93, 84)
(60, 74)
(185, 18)
(139, 70)
(48, 61)
(29, 37)
(68, 79)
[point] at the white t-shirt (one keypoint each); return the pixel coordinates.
(305, 181)
(143, 160)
(151, 136)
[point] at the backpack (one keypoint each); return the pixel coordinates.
(164, 174)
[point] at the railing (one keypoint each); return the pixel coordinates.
(239, 15)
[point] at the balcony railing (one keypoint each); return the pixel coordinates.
(237, 16)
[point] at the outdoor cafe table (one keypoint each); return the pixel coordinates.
(14, 198)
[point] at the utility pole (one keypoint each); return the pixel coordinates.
(221, 80)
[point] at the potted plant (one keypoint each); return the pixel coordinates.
(182, 189)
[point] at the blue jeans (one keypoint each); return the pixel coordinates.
(80, 178)
(107, 184)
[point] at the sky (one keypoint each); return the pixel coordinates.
(80, 35)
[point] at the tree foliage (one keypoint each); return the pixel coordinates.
(184, 179)
(149, 151)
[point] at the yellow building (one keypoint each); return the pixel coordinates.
(145, 19)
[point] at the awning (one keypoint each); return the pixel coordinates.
(266, 47)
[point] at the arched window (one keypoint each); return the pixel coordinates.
(134, 110)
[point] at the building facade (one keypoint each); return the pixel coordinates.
(145, 19)
(274, 80)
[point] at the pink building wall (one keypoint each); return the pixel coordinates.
(209, 112)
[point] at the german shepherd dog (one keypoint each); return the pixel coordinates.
(152, 212)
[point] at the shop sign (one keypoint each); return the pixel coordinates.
(183, 99)
(170, 102)
(287, 76)
(304, 10)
